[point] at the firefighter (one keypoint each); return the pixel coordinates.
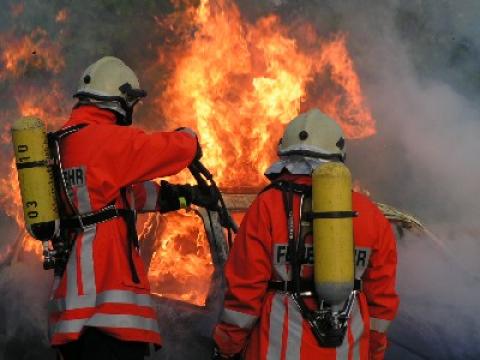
(261, 319)
(100, 306)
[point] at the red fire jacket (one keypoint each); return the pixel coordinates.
(96, 288)
(266, 324)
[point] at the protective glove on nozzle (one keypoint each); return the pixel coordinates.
(174, 197)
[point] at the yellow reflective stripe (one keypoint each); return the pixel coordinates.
(380, 325)
(242, 320)
(110, 296)
(105, 320)
(183, 202)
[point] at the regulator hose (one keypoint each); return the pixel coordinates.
(204, 178)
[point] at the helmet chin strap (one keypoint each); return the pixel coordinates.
(127, 119)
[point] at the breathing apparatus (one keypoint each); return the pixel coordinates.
(49, 212)
(38, 163)
(326, 212)
(333, 250)
(36, 178)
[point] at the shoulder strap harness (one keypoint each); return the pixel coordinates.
(298, 287)
(79, 222)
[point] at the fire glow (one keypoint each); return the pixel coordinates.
(237, 84)
(240, 83)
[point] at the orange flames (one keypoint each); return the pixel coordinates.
(236, 83)
(239, 83)
(31, 52)
(62, 16)
(181, 266)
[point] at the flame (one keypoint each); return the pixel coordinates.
(20, 56)
(48, 103)
(62, 16)
(181, 267)
(33, 51)
(238, 84)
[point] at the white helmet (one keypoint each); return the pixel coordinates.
(109, 83)
(313, 134)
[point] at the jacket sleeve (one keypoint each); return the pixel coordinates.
(247, 272)
(134, 156)
(145, 196)
(379, 286)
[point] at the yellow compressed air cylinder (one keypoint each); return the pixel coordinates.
(333, 233)
(35, 177)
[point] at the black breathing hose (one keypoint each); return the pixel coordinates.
(203, 177)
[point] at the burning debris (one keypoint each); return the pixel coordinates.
(249, 82)
(254, 75)
(236, 81)
(181, 266)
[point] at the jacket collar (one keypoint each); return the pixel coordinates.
(297, 179)
(91, 115)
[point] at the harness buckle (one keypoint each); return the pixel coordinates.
(80, 221)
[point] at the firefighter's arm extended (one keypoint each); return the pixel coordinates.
(135, 156)
(379, 287)
(247, 272)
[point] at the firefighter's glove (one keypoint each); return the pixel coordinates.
(199, 153)
(205, 196)
(174, 197)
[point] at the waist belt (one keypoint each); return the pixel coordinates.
(86, 220)
(105, 214)
(306, 286)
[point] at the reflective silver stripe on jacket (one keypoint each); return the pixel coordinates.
(380, 325)
(106, 320)
(151, 196)
(110, 296)
(281, 265)
(242, 320)
(84, 244)
(295, 331)
(277, 314)
(86, 260)
(280, 272)
(356, 329)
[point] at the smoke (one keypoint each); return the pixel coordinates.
(419, 69)
(418, 62)
(23, 311)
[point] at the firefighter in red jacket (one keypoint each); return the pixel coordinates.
(261, 319)
(100, 306)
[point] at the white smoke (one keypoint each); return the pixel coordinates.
(423, 87)
(418, 64)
